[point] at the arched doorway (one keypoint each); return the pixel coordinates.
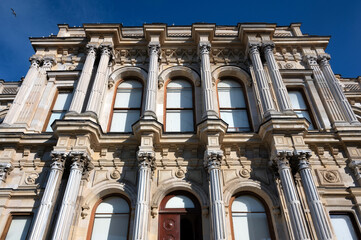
(180, 217)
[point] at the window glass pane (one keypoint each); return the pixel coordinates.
(228, 84)
(237, 120)
(231, 98)
(179, 84)
(179, 201)
(19, 228)
(342, 225)
(250, 226)
(130, 84)
(179, 98)
(179, 121)
(305, 114)
(297, 100)
(113, 205)
(247, 204)
(123, 119)
(128, 98)
(110, 227)
(63, 101)
(53, 117)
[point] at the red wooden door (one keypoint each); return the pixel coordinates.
(169, 228)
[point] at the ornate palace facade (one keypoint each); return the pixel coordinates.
(180, 132)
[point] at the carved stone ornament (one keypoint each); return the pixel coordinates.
(213, 159)
(310, 59)
(48, 61)
(115, 174)
(91, 49)
(179, 173)
(329, 177)
(153, 48)
(355, 166)
(106, 50)
(204, 48)
(58, 159)
(244, 173)
(81, 160)
(35, 61)
(160, 83)
(31, 178)
(282, 160)
(303, 158)
(146, 160)
(5, 169)
(253, 48)
(289, 66)
(84, 211)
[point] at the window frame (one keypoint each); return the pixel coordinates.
(10, 219)
(115, 96)
(58, 91)
(263, 202)
(306, 100)
(181, 78)
(352, 217)
(92, 217)
(245, 96)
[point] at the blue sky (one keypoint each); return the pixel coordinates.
(36, 18)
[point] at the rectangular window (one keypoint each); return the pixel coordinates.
(61, 106)
(18, 226)
(300, 107)
(344, 226)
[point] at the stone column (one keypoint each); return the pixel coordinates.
(24, 91)
(206, 75)
(264, 91)
(280, 88)
(5, 169)
(297, 218)
(212, 162)
(84, 80)
(96, 94)
(42, 220)
(336, 89)
(318, 214)
(334, 111)
(152, 82)
(80, 163)
(146, 162)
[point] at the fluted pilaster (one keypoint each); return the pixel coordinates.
(84, 80)
(280, 88)
(80, 163)
(264, 91)
(97, 92)
(318, 214)
(212, 162)
(206, 75)
(152, 82)
(297, 218)
(336, 89)
(146, 162)
(42, 220)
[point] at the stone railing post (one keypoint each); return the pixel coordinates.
(264, 91)
(206, 75)
(5, 169)
(323, 229)
(336, 89)
(96, 95)
(84, 80)
(280, 88)
(80, 163)
(212, 162)
(42, 220)
(293, 203)
(146, 162)
(152, 82)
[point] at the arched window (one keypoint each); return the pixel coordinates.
(232, 106)
(110, 220)
(249, 219)
(179, 107)
(127, 104)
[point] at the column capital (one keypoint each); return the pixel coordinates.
(35, 61)
(153, 48)
(323, 59)
(213, 159)
(282, 159)
(310, 59)
(268, 46)
(302, 158)
(204, 48)
(146, 159)
(91, 49)
(106, 50)
(49, 61)
(5, 169)
(355, 165)
(253, 47)
(58, 159)
(81, 160)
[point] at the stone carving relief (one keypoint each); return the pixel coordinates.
(289, 58)
(329, 177)
(227, 55)
(132, 56)
(30, 178)
(179, 56)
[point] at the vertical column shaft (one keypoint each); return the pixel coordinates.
(67, 210)
(206, 75)
(337, 91)
(264, 91)
(213, 162)
(152, 82)
(84, 80)
(297, 218)
(318, 214)
(41, 223)
(96, 94)
(146, 165)
(24, 91)
(280, 88)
